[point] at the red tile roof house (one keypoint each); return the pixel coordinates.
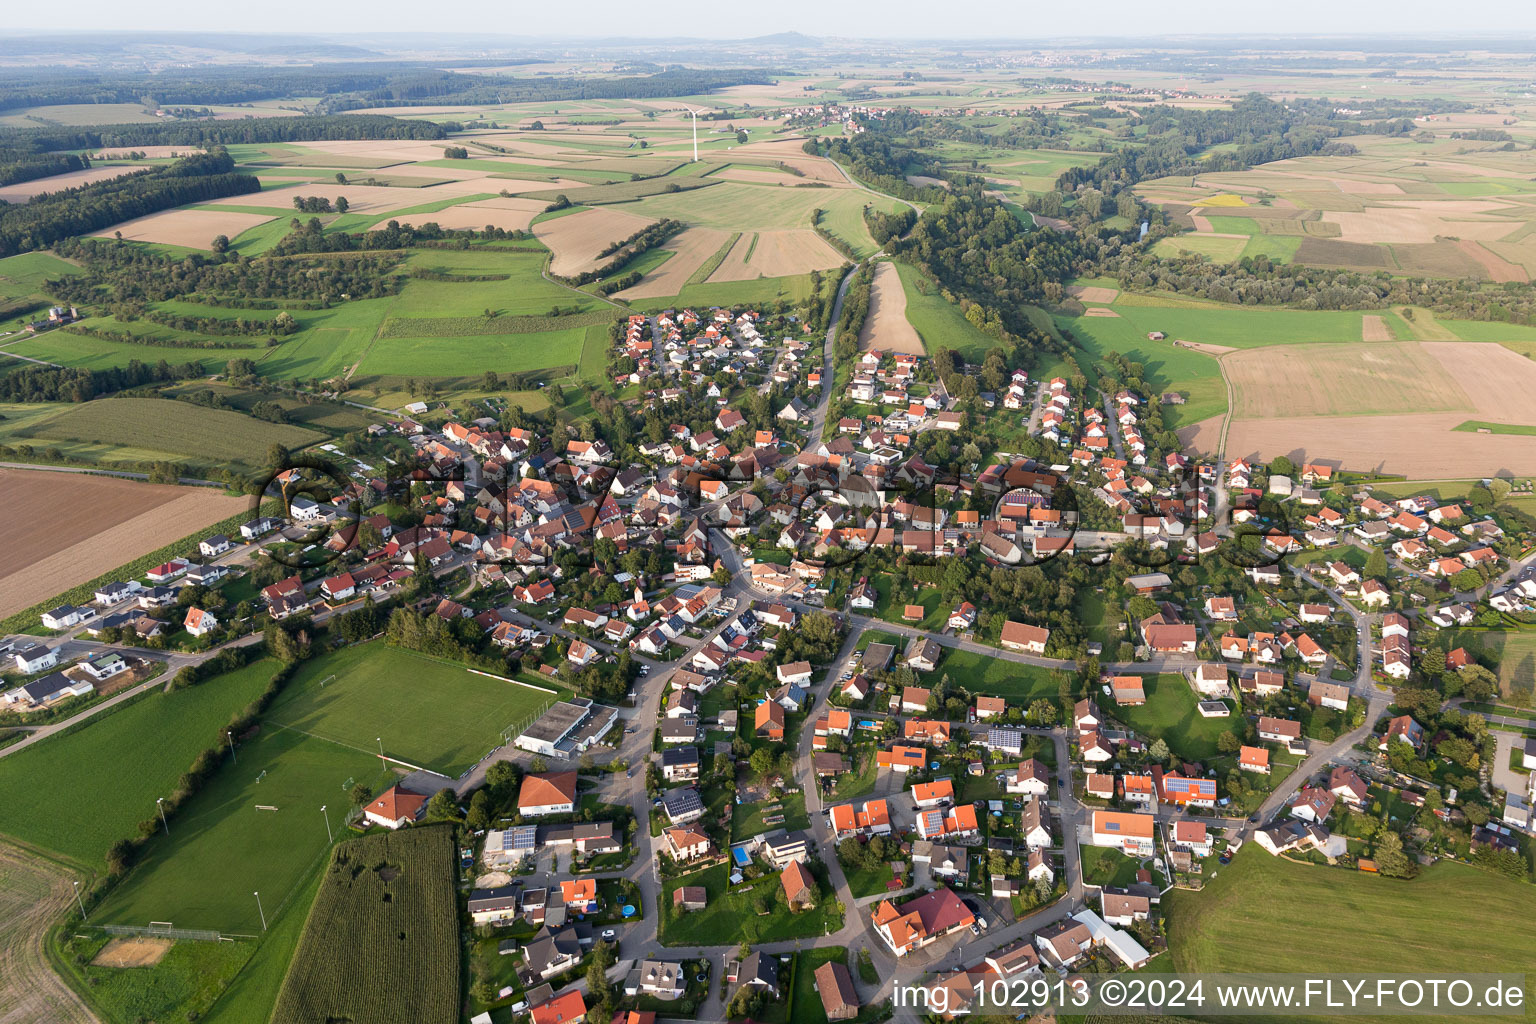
(339, 588)
(551, 793)
(395, 807)
(567, 1009)
(920, 921)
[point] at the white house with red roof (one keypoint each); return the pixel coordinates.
(199, 622)
(395, 807)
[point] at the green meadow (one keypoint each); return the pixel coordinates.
(104, 777)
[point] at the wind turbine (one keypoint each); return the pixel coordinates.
(695, 114)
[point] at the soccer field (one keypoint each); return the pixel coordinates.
(223, 846)
(429, 713)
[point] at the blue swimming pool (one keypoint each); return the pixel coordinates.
(742, 857)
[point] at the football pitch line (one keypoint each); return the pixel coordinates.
(339, 743)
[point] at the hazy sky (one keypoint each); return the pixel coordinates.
(947, 19)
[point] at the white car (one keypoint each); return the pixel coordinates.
(608, 933)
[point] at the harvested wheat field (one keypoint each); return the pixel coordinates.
(1404, 223)
(776, 254)
(886, 327)
(1352, 379)
(690, 249)
(1425, 446)
(68, 528)
(1101, 311)
(132, 951)
(23, 191)
(754, 176)
(33, 892)
(1502, 383)
(1093, 293)
(509, 214)
(1202, 437)
(1374, 328)
(1498, 268)
(194, 229)
(361, 198)
(577, 238)
(1208, 349)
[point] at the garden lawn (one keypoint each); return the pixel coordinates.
(996, 677)
(868, 882)
(223, 846)
(892, 607)
(103, 778)
(429, 713)
(729, 918)
(1170, 714)
(1451, 919)
(1104, 866)
(747, 819)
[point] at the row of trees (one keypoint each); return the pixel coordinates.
(131, 278)
(87, 208)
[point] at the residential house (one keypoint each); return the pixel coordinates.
(1129, 832)
(550, 793)
(395, 807)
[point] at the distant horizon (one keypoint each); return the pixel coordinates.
(906, 21)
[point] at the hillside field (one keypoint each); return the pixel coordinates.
(113, 429)
(1452, 918)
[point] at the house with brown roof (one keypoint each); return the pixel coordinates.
(690, 897)
(989, 707)
(839, 999)
(1279, 730)
(1064, 942)
(799, 886)
(1031, 778)
(1313, 804)
(1027, 639)
(1347, 786)
(921, 921)
(1328, 695)
(914, 700)
(1123, 908)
